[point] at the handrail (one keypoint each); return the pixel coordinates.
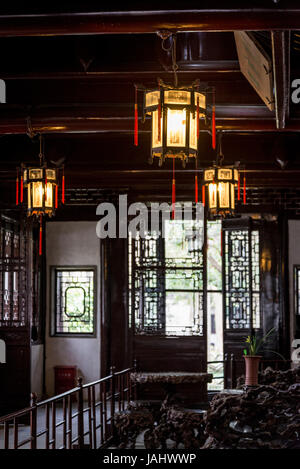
(103, 396)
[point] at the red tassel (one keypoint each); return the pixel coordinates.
(214, 127)
(63, 188)
(196, 189)
(41, 236)
(173, 191)
(21, 194)
(203, 195)
(136, 120)
(198, 117)
(239, 187)
(56, 196)
(17, 189)
(244, 194)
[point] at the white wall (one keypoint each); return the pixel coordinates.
(72, 243)
(294, 258)
(37, 369)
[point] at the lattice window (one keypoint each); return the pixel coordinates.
(166, 281)
(13, 275)
(242, 279)
(74, 300)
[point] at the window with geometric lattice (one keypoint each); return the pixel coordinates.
(73, 301)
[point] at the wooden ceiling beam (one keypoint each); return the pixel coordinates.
(89, 119)
(205, 68)
(281, 72)
(128, 22)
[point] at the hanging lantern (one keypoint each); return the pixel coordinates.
(176, 112)
(175, 116)
(41, 184)
(219, 184)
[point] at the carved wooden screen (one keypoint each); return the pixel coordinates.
(241, 285)
(13, 275)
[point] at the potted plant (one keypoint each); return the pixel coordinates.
(252, 357)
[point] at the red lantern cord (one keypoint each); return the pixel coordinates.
(213, 123)
(244, 194)
(203, 195)
(63, 188)
(196, 189)
(41, 236)
(239, 187)
(17, 189)
(21, 194)
(198, 117)
(173, 191)
(135, 120)
(56, 196)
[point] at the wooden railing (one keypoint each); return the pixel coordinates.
(234, 367)
(80, 418)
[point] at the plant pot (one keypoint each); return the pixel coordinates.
(252, 363)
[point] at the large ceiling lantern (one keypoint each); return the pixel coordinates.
(41, 184)
(175, 121)
(218, 186)
(176, 112)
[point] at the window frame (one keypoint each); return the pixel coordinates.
(53, 305)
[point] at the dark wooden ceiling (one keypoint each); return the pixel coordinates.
(71, 77)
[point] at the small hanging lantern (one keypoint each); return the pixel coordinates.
(175, 113)
(41, 184)
(218, 186)
(219, 183)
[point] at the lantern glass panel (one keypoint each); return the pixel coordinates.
(177, 97)
(29, 196)
(236, 175)
(36, 173)
(49, 195)
(156, 141)
(176, 127)
(37, 194)
(224, 194)
(152, 98)
(212, 195)
(201, 100)
(51, 174)
(25, 176)
(225, 173)
(209, 175)
(232, 197)
(193, 132)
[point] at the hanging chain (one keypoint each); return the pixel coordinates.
(172, 48)
(41, 154)
(220, 156)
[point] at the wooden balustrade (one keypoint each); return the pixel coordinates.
(85, 415)
(232, 368)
